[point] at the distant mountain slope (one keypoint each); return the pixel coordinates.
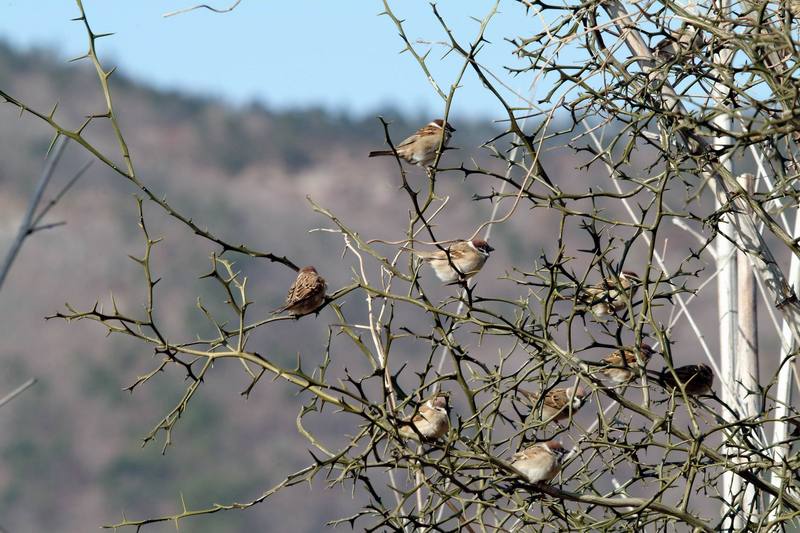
(69, 449)
(70, 455)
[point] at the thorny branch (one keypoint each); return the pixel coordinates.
(627, 90)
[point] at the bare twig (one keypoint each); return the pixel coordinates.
(203, 6)
(28, 223)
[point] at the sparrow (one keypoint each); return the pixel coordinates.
(556, 402)
(687, 39)
(794, 7)
(697, 380)
(624, 364)
(468, 257)
(306, 294)
(540, 462)
(421, 148)
(606, 297)
(432, 420)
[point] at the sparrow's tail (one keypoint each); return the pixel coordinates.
(377, 153)
(426, 256)
(658, 376)
(407, 431)
(462, 277)
(281, 309)
(589, 369)
(529, 396)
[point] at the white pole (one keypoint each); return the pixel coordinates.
(784, 388)
(746, 354)
(726, 282)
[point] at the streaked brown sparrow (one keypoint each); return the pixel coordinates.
(626, 363)
(697, 380)
(681, 42)
(557, 403)
(421, 148)
(608, 296)
(306, 294)
(431, 422)
(468, 257)
(540, 462)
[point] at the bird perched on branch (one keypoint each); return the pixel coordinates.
(558, 403)
(306, 294)
(684, 41)
(625, 363)
(431, 422)
(540, 462)
(468, 257)
(697, 380)
(421, 148)
(610, 295)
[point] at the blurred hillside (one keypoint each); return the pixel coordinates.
(70, 449)
(70, 455)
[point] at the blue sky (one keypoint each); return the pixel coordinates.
(339, 54)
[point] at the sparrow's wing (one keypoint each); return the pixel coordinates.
(630, 357)
(420, 423)
(667, 48)
(308, 285)
(419, 418)
(408, 140)
(423, 132)
(668, 380)
(456, 252)
(425, 413)
(622, 358)
(696, 379)
(602, 288)
(532, 453)
(692, 373)
(290, 295)
(518, 456)
(685, 372)
(593, 293)
(459, 249)
(289, 301)
(665, 378)
(556, 398)
(615, 358)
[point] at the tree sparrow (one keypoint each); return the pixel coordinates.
(540, 462)
(606, 297)
(421, 148)
(558, 403)
(306, 294)
(626, 363)
(468, 257)
(678, 43)
(697, 380)
(432, 420)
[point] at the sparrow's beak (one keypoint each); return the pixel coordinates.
(489, 248)
(450, 128)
